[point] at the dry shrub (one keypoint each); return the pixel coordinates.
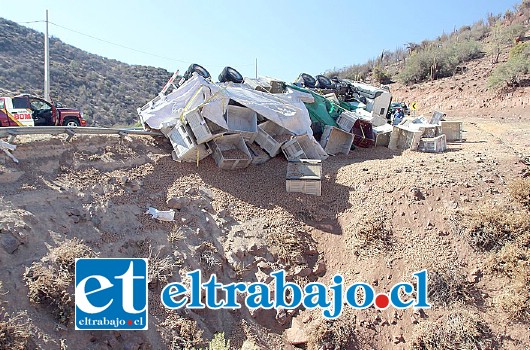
(334, 334)
(48, 280)
(15, 331)
(515, 297)
(291, 245)
(489, 228)
(448, 286)
(180, 333)
(65, 254)
(513, 261)
(509, 260)
(458, 330)
(208, 256)
(372, 234)
(520, 191)
(160, 269)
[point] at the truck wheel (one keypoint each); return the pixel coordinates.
(230, 74)
(71, 122)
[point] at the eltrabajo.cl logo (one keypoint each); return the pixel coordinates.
(110, 294)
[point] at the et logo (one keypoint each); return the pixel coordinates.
(110, 294)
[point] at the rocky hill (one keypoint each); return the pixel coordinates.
(107, 91)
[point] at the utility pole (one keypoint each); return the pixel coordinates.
(46, 63)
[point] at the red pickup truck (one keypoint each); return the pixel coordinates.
(26, 110)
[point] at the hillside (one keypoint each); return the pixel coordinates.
(107, 91)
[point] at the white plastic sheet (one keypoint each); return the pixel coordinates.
(286, 110)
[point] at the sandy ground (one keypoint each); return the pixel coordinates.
(98, 188)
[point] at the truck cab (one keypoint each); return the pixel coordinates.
(26, 110)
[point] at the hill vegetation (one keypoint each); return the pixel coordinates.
(107, 91)
(445, 55)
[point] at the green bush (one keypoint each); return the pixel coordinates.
(509, 74)
(439, 61)
(380, 75)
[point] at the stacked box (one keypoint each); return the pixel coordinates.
(433, 144)
(304, 176)
(266, 133)
(242, 120)
(230, 152)
(184, 146)
(335, 140)
(202, 129)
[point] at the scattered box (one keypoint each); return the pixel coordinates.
(311, 147)
(452, 130)
(184, 146)
(271, 137)
(433, 144)
(363, 135)
(203, 129)
(230, 152)
(242, 120)
(403, 138)
(259, 156)
(335, 140)
(304, 176)
(303, 147)
(292, 150)
(382, 134)
(346, 120)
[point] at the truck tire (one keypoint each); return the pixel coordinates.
(196, 68)
(69, 121)
(230, 74)
(306, 80)
(323, 82)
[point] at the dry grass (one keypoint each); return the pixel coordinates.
(509, 260)
(208, 257)
(372, 235)
(290, 245)
(514, 300)
(448, 286)
(160, 269)
(513, 261)
(489, 228)
(15, 331)
(334, 334)
(180, 333)
(50, 279)
(460, 330)
(520, 191)
(65, 254)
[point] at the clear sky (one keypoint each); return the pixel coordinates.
(286, 37)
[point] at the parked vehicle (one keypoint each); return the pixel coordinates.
(26, 110)
(395, 106)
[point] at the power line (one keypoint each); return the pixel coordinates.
(119, 45)
(130, 48)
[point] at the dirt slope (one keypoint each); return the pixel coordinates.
(242, 224)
